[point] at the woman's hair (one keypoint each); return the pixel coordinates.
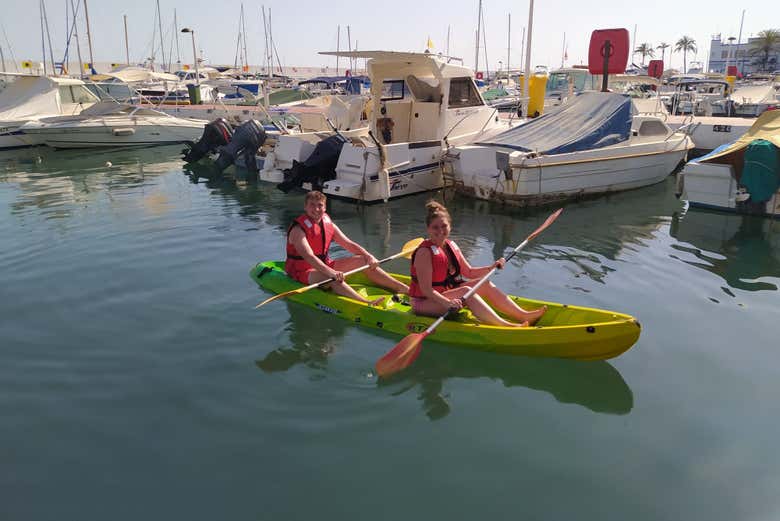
(435, 209)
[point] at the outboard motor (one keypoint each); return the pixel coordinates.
(215, 134)
(317, 169)
(247, 140)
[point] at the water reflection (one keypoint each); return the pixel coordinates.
(739, 248)
(54, 180)
(597, 386)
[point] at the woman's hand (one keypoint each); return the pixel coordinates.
(500, 263)
(456, 303)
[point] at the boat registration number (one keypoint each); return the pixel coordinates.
(721, 128)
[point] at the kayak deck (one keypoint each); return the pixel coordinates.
(563, 332)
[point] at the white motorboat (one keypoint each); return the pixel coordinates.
(28, 98)
(109, 124)
(421, 104)
(592, 144)
(743, 176)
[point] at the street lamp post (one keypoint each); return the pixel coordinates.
(194, 53)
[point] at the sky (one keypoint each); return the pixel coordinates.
(304, 27)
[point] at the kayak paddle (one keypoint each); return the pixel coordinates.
(406, 251)
(408, 349)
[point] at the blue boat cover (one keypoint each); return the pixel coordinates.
(585, 122)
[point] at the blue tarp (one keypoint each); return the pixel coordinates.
(587, 121)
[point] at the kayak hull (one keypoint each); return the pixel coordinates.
(563, 332)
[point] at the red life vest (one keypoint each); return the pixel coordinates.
(446, 268)
(319, 236)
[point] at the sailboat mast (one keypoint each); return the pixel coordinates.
(448, 42)
(48, 37)
(508, 44)
(338, 47)
(89, 36)
(739, 41)
(522, 48)
(563, 50)
(476, 47)
(238, 40)
(243, 32)
(43, 40)
(349, 47)
(176, 36)
(162, 43)
(127, 44)
(76, 34)
(528, 48)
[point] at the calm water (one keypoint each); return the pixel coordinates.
(138, 382)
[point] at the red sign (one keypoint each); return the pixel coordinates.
(616, 40)
(731, 70)
(479, 76)
(655, 68)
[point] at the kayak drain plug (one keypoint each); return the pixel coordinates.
(590, 329)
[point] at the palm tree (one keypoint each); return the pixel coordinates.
(767, 41)
(663, 46)
(685, 44)
(645, 49)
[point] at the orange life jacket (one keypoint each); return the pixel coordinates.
(319, 236)
(446, 268)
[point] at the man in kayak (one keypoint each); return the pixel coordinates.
(438, 268)
(308, 240)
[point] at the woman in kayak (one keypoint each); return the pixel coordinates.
(308, 240)
(438, 268)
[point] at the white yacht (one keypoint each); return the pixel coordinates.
(743, 176)
(421, 104)
(592, 144)
(28, 98)
(110, 124)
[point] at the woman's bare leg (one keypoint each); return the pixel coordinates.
(481, 310)
(501, 301)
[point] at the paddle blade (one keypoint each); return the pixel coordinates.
(286, 294)
(410, 246)
(401, 356)
(545, 224)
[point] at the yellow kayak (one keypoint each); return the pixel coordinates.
(565, 331)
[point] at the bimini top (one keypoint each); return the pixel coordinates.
(587, 121)
(766, 127)
(386, 63)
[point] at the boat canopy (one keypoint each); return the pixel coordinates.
(766, 126)
(30, 96)
(584, 122)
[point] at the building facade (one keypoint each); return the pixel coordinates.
(723, 53)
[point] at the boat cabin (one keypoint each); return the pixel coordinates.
(421, 97)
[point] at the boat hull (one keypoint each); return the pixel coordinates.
(564, 331)
(549, 179)
(109, 132)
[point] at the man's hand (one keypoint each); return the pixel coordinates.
(371, 260)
